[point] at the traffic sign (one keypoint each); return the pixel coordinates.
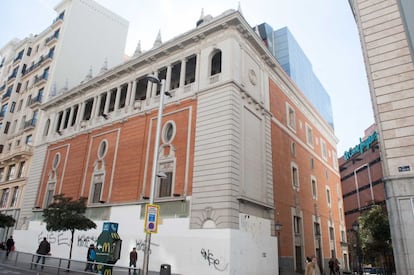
(152, 212)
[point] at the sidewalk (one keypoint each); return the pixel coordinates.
(26, 261)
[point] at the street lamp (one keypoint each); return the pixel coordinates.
(355, 227)
(156, 80)
(278, 228)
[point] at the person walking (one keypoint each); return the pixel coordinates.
(312, 267)
(44, 249)
(333, 266)
(9, 245)
(133, 257)
(91, 257)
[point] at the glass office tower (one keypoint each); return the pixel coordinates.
(294, 62)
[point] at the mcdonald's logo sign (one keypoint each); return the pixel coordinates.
(106, 247)
(115, 235)
(108, 272)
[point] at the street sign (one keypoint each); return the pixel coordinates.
(152, 212)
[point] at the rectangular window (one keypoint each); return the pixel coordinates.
(102, 104)
(49, 193)
(309, 135)
(59, 121)
(15, 197)
(29, 140)
(293, 149)
(6, 128)
(112, 100)
(21, 169)
(12, 107)
(328, 196)
(291, 117)
(66, 122)
(324, 150)
(343, 236)
(19, 86)
(331, 233)
(122, 98)
(11, 172)
(314, 188)
(165, 186)
(190, 70)
(175, 76)
(317, 229)
(295, 177)
(75, 115)
(296, 224)
(162, 74)
(141, 89)
(97, 188)
(88, 109)
(4, 198)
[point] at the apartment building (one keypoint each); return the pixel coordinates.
(386, 31)
(242, 150)
(37, 69)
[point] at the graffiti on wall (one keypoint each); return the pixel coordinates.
(58, 238)
(63, 238)
(140, 245)
(85, 240)
(211, 260)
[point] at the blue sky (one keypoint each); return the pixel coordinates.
(325, 29)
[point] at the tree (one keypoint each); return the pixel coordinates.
(375, 234)
(6, 221)
(66, 214)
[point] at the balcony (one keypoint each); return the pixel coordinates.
(7, 94)
(18, 58)
(36, 101)
(2, 88)
(40, 80)
(23, 150)
(51, 39)
(30, 124)
(12, 77)
(42, 61)
(58, 20)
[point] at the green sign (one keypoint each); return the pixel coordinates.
(362, 146)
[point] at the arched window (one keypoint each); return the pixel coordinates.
(216, 63)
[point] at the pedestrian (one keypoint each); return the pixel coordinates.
(91, 257)
(312, 267)
(44, 249)
(333, 266)
(133, 257)
(9, 245)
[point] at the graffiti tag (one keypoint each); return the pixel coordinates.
(209, 257)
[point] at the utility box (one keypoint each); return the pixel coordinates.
(108, 248)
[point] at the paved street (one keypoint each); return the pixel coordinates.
(21, 263)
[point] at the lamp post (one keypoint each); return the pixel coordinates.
(278, 228)
(156, 80)
(355, 227)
